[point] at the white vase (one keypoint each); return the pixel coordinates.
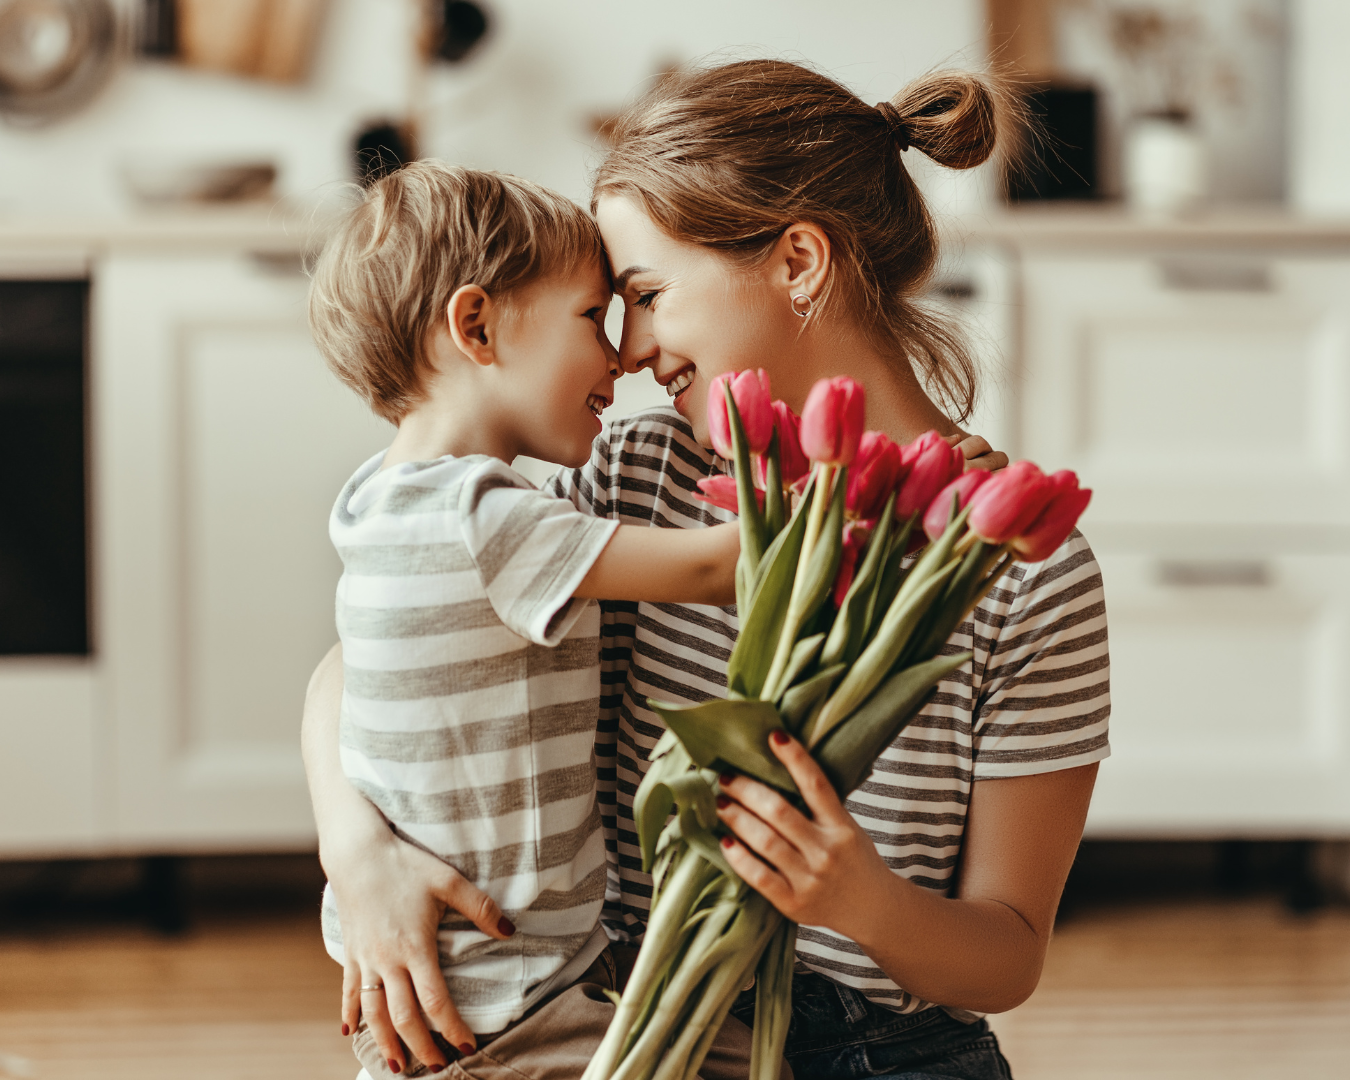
(1165, 169)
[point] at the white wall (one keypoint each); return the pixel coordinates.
(1319, 92)
(524, 102)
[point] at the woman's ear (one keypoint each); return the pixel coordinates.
(803, 259)
(469, 316)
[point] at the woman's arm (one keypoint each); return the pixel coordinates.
(391, 896)
(981, 950)
(677, 566)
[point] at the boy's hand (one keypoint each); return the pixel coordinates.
(978, 453)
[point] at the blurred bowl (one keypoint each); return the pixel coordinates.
(164, 183)
(54, 56)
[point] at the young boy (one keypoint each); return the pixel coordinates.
(468, 308)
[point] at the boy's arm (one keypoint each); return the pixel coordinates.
(673, 566)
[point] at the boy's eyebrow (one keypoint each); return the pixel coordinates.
(621, 281)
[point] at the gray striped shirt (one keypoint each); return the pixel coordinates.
(469, 703)
(1034, 699)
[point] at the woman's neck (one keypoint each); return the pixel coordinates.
(896, 402)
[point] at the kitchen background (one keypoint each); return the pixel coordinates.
(1161, 297)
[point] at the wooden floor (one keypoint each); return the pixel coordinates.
(1233, 990)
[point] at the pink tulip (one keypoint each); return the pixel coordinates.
(750, 390)
(1042, 537)
(793, 460)
(874, 474)
(721, 491)
(963, 487)
(856, 534)
(932, 466)
(1003, 508)
(832, 421)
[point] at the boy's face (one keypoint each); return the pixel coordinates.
(560, 365)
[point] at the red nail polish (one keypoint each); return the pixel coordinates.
(394, 1066)
(728, 842)
(726, 778)
(436, 1068)
(723, 801)
(346, 1030)
(779, 736)
(465, 1048)
(505, 926)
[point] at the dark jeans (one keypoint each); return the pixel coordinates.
(837, 1034)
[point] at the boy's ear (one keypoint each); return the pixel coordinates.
(469, 316)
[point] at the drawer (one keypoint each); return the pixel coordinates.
(1189, 388)
(1229, 704)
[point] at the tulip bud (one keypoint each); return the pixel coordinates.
(856, 535)
(832, 421)
(963, 487)
(750, 390)
(932, 465)
(874, 474)
(1051, 528)
(721, 491)
(1003, 508)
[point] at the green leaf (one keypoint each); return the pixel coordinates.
(848, 754)
(878, 658)
(845, 641)
(753, 540)
(774, 511)
(656, 795)
(803, 655)
(890, 580)
(799, 700)
(762, 621)
(722, 733)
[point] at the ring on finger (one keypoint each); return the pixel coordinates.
(372, 986)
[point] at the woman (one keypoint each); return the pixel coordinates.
(759, 215)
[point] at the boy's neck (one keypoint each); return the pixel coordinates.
(441, 425)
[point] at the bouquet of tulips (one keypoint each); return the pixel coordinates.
(841, 636)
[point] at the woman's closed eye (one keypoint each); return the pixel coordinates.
(646, 299)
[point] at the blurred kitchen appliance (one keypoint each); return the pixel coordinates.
(54, 56)
(1165, 169)
(43, 534)
(462, 26)
(267, 39)
(1061, 156)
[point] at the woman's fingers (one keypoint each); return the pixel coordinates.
(814, 785)
(435, 999)
(461, 895)
(759, 875)
(977, 452)
(406, 1018)
(375, 1009)
(351, 996)
(764, 840)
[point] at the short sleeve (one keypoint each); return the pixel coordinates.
(530, 548)
(1045, 699)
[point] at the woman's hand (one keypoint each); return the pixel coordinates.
(392, 897)
(802, 861)
(977, 451)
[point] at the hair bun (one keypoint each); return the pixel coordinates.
(953, 117)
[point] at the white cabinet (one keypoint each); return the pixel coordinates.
(222, 441)
(1199, 381)
(218, 443)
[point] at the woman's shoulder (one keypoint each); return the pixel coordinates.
(658, 433)
(1066, 585)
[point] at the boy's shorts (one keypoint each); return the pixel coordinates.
(556, 1040)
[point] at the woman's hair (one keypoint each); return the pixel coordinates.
(388, 271)
(730, 156)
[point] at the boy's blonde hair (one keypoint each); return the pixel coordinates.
(386, 275)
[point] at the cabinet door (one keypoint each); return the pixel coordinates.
(1192, 388)
(221, 443)
(1228, 684)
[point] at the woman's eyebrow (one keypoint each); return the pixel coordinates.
(621, 281)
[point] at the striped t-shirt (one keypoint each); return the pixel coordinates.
(468, 709)
(1035, 697)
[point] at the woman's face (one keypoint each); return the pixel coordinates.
(691, 315)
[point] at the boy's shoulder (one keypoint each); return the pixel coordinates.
(418, 487)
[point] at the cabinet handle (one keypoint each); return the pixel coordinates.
(1212, 573)
(1192, 273)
